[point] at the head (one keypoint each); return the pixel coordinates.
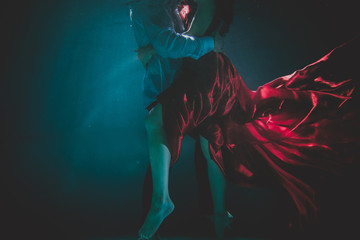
(225, 13)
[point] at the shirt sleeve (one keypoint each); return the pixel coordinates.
(170, 44)
(157, 26)
(173, 45)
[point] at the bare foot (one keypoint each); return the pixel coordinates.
(156, 215)
(221, 222)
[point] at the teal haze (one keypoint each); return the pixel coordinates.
(74, 142)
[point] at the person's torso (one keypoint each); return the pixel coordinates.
(147, 16)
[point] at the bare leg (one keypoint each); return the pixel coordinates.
(217, 185)
(161, 204)
(205, 199)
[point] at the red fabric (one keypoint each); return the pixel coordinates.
(283, 133)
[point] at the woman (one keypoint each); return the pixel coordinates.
(294, 131)
(154, 23)
(161, 204)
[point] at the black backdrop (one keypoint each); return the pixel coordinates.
(73, 145)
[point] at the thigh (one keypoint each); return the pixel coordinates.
(154, 118)
(204, 143)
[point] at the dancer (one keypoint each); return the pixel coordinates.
(294, 131)
(204, 16)
(153, 27)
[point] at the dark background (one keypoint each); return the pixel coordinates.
(73, 143)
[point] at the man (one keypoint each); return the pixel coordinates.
(154, 23)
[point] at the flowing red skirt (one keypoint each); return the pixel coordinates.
(294, 131)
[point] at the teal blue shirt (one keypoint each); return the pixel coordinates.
(152, 23)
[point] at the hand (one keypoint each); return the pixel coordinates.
(145, 54)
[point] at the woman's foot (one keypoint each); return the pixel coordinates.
(156, 215)
(221, 222)
(156, 237)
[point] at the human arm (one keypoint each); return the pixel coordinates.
(145, 54)
(169, 44)
(154, 25)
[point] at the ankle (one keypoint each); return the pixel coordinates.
(220, 212)
(161, 202)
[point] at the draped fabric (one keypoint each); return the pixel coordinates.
(294, 131)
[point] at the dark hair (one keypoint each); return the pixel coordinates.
(224, 15)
